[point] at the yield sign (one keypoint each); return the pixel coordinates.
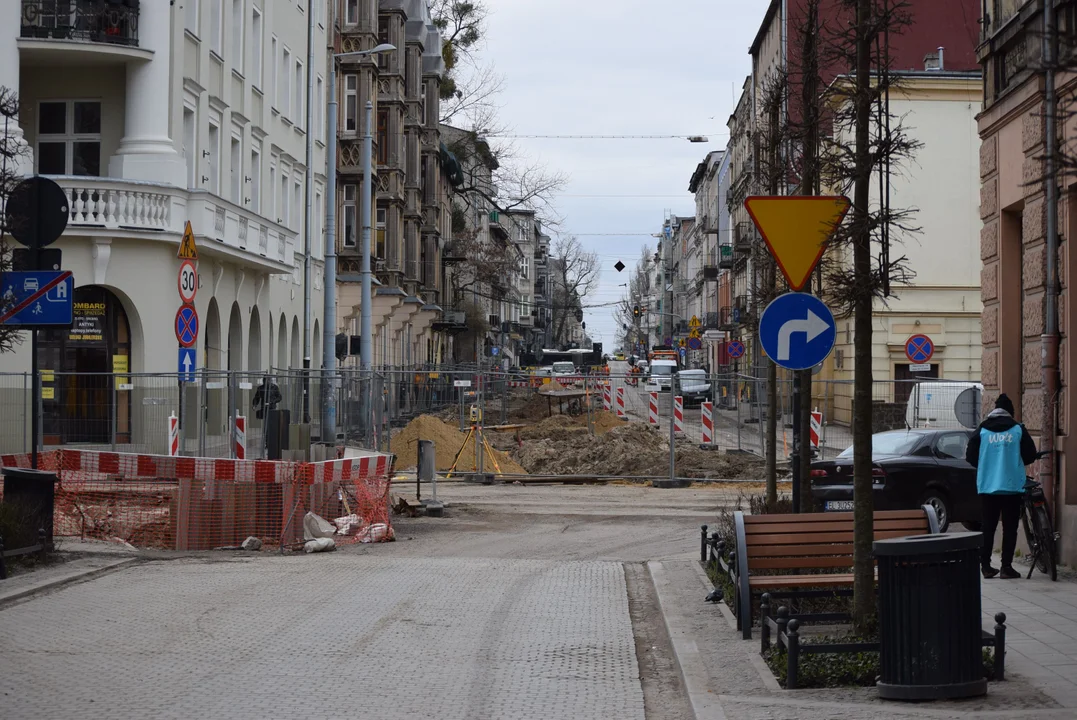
(796, 229)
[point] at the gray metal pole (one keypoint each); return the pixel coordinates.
(365, 339)
(308, 216)
(672, 452)
(329, 311)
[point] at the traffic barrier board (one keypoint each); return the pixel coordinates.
(797, 331)
(796, 229)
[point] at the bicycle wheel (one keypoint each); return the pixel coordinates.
(1030, 532)
(1047, 562)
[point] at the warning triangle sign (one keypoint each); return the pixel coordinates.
(187, 249)
(796, 229)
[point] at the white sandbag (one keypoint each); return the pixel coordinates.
(348, 525)
(315, 526)
(378, 532)
(319, 545)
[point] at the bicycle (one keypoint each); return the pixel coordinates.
(1039, 530)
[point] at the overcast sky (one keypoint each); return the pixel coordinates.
(624, 67)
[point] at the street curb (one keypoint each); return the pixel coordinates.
(723, 608)
(77, 576)
(705, 704)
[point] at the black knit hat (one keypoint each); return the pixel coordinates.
(1003, 402)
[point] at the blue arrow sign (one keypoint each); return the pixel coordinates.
(188, 364)
(495, 350)
(44, 297)
(797, 331)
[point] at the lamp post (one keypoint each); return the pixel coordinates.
(329, 358)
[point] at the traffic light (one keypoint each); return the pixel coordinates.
(635, 310)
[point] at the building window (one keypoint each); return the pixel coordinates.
(383, 39)
(316, 224)
(422, 99)
(273, 189)
(284, 216)
(297, 204)
(190, 145)
(273, 72)
(237, 35)
(383, 137)
(285, 79)
(216, 26)
(300, 91)
(351, 102)
(379, 246)
(256, 179)
(69, 138)
(256, 47)
(349, 216)
(236, 169)
(319, 109)
(190, 16)
(351, 12)
(214, 156)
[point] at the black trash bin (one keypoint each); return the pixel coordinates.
(34, 493)
(930, 630)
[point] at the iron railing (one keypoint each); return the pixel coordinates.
(100, 21)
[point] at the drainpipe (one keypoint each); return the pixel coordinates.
(1050, 338)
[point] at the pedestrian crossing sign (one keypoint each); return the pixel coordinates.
(187, 249)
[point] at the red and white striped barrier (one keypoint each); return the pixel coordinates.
(706, 410)
(239, 438)
(348, 470)
(607, 398)
(678, 414)
(173, 435)
(131, 466)
(16, 460)
(816, 427)
(652, 413)
(621, 402)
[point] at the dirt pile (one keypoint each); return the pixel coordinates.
(556, 427)
(447, 442)
(629, 450)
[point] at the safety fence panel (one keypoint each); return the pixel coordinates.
(187, 503)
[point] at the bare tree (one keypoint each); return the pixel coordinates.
(866, 140)
(574, 274)
(635, 297)
(12, 149)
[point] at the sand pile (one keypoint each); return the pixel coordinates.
(447, 441)
(629, 450)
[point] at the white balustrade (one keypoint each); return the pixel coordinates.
(101, 204)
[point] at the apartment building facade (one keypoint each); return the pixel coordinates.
(1021, 327)
(411, 218)
(149, 115)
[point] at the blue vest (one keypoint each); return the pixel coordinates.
(1001, 470)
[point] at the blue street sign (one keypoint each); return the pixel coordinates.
(495, 350)
(188, 364)
(797, 331)
(44, 297)
(187, 325)
(919, 349)
(735, 349)
(695, 343)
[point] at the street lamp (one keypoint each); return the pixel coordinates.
(329, 358)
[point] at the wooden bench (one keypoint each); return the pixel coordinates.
(807, 541)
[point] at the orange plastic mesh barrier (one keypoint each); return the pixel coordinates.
(184, 503)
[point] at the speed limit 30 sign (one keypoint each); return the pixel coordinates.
(188, 282)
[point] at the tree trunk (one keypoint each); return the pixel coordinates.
(804, 450)
(863, 506)
(771, 458)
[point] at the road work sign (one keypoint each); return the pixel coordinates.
(797, 331)
(796, 229)
(187, 249)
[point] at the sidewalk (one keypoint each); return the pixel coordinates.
(76, 561)
(727, 679)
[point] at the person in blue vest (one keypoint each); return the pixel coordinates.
(999, 450)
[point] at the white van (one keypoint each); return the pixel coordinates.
(944, 404)
(661, 374)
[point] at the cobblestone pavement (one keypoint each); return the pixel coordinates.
(328, 636)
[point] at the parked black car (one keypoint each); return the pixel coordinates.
(910, 468)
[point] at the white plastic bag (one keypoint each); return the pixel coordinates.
(348, 525)
(319, 545)
(315, 526)
(378, 532)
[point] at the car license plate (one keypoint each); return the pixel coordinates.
(835, 505)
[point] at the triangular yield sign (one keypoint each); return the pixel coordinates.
(796, 229)
(187, 249)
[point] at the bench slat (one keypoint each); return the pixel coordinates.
(799, 550)
(817, 527)
(768, 581)
(832, 537)
(796, 563)
(830, 516)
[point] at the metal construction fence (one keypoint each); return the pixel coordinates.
(135, 413)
